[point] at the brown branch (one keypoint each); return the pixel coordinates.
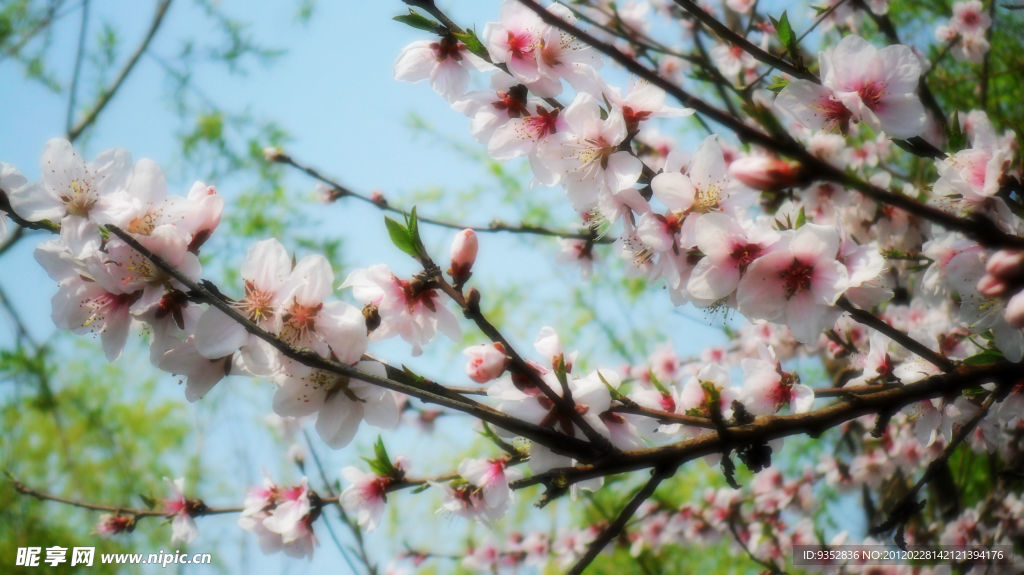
(471, 309)
(612, 531)
(757, 53)
(134, 512)
(766, 428)
(341, 191)
(108, 93)
(664, 416)
(903, 509)
(871, 320)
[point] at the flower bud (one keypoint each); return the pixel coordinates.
(463, 254)
(110, 525)
(486, 361)
(273, 154)
(765, 173)
(991, 286)
(1006, 265)
(1015, 310)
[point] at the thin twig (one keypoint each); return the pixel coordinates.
(135, 512)
(757, 53)
(108, 93)
(341, 191)
(353, 527)
(908, 504)
(612, 531)
(79, 58)
(871, 320)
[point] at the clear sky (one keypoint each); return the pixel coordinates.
(334, 93)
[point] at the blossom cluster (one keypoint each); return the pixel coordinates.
(818, 265)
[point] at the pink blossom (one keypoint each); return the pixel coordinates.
(110, 525)
(492, 477)
(444, 62)
(289, 521)
(266, 268)
(341, 403)
(765, 172)
(729, 246)
(409, 308)
(365, 496)
(796, 282)
(767, 388)
(181, 511)
(877, 86)
(586, 156)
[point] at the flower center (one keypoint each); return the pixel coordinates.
(743, 254)
(871, 94)
(257, 303)
(80, 200)
(797, 277)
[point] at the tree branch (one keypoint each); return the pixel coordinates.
(766, 428)
(341, 191)
(612, 531)
(757, 53)
(108, 94)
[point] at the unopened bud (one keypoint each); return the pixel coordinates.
(1015, 311)
(110, 525)
(991, 286)
(1006, 265)
(486, 361)
(273, 154)
(463, 254)
(765, 173)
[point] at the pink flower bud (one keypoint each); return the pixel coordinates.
(765, 173)
(1015, 310)
(464, 248)
(486, 361)
(110, 525)
(991, 286)
(1006, 265)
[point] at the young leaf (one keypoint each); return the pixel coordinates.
(419, 21)
(801, 219)
(400, 237)
(473, 44)
(785, 34)
(778, 83)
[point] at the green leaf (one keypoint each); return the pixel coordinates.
(473, 43)
(421, 488)
(989, 356)
(616, 394)
(381, 452)
(419, 21)
(801, 219)
(778, 84)
(785, 34)
(149, 501)
(400, 237)
(412, 223)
